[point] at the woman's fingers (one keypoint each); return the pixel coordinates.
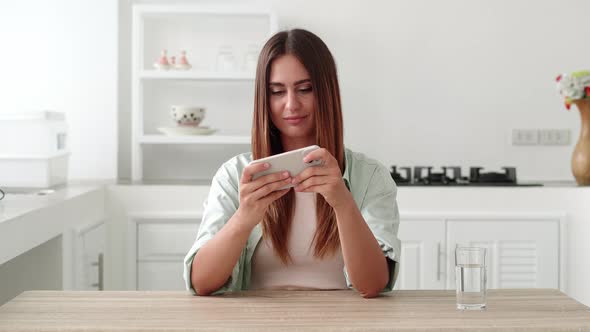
(329, 166)
(252, 169)
(317, 155)
(270, 187)
(274, 196)
(311, 182)
(268, 179)
(248, 186)
(310, 172)
(264, 185)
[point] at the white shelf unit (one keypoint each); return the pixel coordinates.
(203, 31)
(188, 139)
(194, 75)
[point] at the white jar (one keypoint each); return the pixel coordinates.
(251, 58)
(226, 61)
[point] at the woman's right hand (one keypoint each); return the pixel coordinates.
(256, 196)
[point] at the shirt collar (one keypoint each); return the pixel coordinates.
(346, 174)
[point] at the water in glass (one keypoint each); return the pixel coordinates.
(471, 286)
(470, 271)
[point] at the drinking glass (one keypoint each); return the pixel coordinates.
(251, 58)
(226, 61)
(470, 270)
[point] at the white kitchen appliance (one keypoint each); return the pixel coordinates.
(33, 149)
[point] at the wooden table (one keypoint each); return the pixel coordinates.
(508, 310)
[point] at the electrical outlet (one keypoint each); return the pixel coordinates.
(554, 136)
(525, 137)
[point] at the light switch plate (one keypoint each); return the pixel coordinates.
(525, 137)
(554, 136)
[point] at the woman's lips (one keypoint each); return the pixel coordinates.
(294, 120)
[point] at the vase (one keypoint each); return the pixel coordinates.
(581, 156)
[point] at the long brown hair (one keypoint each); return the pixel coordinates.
(315, 56)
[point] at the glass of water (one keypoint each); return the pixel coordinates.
(470, 270)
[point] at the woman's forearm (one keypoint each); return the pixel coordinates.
(365, 263)
(214, 262)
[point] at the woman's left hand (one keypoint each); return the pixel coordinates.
(325, 179)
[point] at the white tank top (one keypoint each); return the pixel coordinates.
(304, 271)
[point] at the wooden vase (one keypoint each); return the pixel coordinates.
(581, 156)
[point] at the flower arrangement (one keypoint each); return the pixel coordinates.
(574, 86)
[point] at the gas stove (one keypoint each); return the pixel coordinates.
(451, 176)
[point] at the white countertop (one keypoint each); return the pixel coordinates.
(20, 205)
(28, 220)
(17, 204)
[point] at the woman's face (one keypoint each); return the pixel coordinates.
(292, 101)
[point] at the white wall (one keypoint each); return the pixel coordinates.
(62, 55)
(445, 82)
(423, 82)
(428, 82)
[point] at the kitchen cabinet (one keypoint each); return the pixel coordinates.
(422, 259)
(158, 244)
(222, 45)
(523, 251)
(83, 262)
(544, 216)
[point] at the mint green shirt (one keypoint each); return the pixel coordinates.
(372, 188)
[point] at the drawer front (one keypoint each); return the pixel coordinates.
(165, 241)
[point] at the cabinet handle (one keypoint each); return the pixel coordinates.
(100, 265)
(438, 261)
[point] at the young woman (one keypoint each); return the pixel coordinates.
(336, 229)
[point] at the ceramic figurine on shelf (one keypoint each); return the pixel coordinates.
(162, 62)
(173, 61)
(183, 62)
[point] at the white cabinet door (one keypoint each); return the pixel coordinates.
(160, 276)
(94, 246)
(422, 260)
(165, 241)
(521, 253)
(161, 247)
(86, 245)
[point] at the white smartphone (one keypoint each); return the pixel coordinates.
(290, 161)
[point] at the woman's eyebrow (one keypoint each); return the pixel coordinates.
(307, 80)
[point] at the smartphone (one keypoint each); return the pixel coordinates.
(290, 161)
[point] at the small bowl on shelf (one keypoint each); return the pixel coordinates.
(187, 115)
